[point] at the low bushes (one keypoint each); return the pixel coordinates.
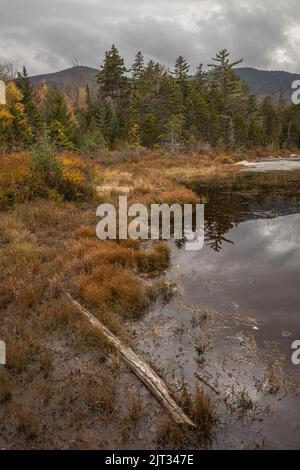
(75, 183)
(17, 181)
(24, 177)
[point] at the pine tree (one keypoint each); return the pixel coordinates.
(138, 67)
(270, 120)
(227, 83)
(181, 74)
(150, 130)
(58, 118)
(200, 76)
(170, 98)
(174, 129)
(29, 101)
(113, 101)
(111, 76)
(196, 114)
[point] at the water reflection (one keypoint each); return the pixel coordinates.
(246, 197)
(220, 218)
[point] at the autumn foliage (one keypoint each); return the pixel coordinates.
(24, 177)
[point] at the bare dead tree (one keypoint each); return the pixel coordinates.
(7, 72)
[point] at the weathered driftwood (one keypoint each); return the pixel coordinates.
(147, 375)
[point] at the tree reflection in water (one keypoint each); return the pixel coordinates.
(235, 200)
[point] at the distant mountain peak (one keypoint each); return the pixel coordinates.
(69, 80)
(268, 82)
(262, 82)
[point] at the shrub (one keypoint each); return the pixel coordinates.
(43, 174)
(45, 163)
(75, 183)
(92, 141)
(17, 183)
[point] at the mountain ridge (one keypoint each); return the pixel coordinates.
(262, 82)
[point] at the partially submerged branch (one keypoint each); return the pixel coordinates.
(147, 375)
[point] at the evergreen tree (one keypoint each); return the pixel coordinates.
(170, 99)
(270, 120)
(150, 130)
(138, 67)
(113, 98)
(201, 77)
(227, 83)
(58, 118)
(29, 101)
(181, 74)
(111, 76)
(153, 106)
(196, 114)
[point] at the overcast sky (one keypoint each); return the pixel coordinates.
(45, 35)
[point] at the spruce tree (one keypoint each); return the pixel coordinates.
(229, 91)
(138, 67)
(181, 74)
(58, 118)
(29, 101)
(111, 76)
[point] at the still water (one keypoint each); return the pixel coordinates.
(236, 314)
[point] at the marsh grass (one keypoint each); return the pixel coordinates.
(49, 245)
(201, 408)
(5, 386)
(129, 421)
(101, 398)
(25, 422)
(274, 377)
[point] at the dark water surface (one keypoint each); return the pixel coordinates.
(256, 271)
(231, 325)
(251, 255)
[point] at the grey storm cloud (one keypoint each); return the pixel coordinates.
(45, 35)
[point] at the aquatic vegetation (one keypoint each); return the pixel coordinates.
(201, 409)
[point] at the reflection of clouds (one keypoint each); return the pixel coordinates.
(260, 273)
(259, 245)
(281, 234)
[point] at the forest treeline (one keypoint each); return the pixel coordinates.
(148, 106)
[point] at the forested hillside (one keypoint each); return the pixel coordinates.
(149, 106)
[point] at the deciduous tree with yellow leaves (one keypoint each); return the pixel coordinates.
(15, 129)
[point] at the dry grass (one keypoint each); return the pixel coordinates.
(5, 386)
(57, 364)
(94, 253)
(100, 398)
(113, 287)
(170, 197)
(274, 377)
(201, 409)
(129, 421)
(25, 422)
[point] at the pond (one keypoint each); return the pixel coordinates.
(231, 325)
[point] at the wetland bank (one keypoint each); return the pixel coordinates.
(216, 325)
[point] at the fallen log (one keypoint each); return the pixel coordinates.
(147, 375)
